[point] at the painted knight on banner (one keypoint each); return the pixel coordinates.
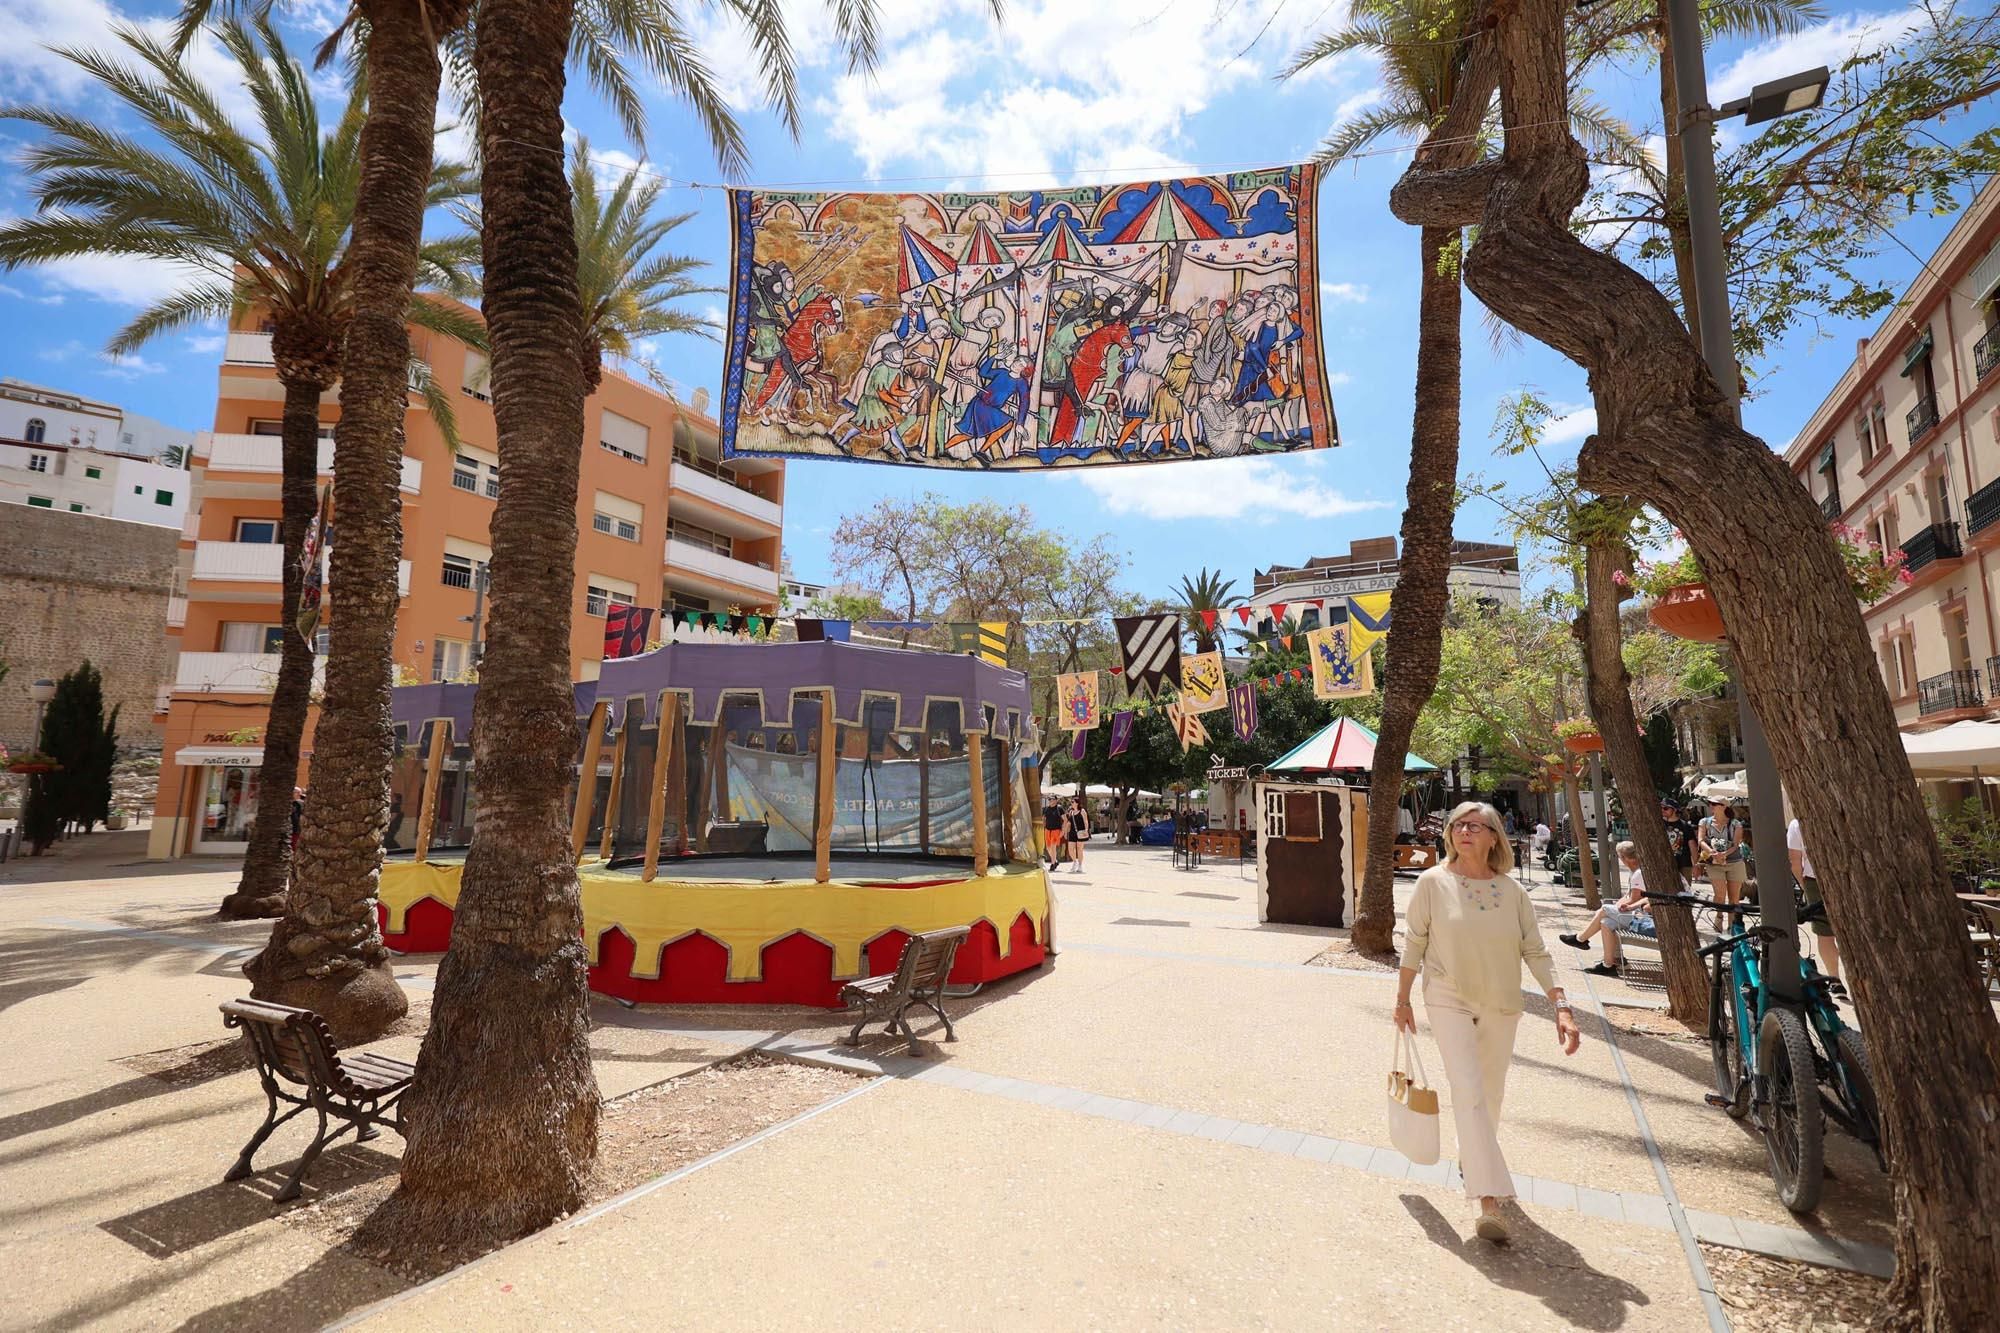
(1029, 329)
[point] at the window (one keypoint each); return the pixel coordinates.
(617, 516)
(138, 490)
(477, 376)
(163, 497)
(257, 531)
(464, 473)
(38, 430)
(451, 659)
(1883, 530)
(40, 502)
(680, 603)
(695, 535)
(1957, 641)
(38, 462)
(602, 590)
(1889, 680)
(1937, 492)
(464, 562)
(467, 467)
(457, 572)
(493, 484)
(269, 427)
(76, 509)
(1906, 656)
(245, 636)
(623, 436)
(1274, 814)
(94, 473)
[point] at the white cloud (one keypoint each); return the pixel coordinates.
(1260, 489)
(1338, 377)
(129, 367)
(62, 351)
(1353, 106)
(34, 72)
(206, 344)
(1829, 43)
(1355, 292)
(1574, 424)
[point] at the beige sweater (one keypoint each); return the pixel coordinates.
(1475, 936)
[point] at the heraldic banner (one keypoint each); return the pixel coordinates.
(1337, 672)
(1028, 329)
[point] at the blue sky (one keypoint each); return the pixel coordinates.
(1063, 92)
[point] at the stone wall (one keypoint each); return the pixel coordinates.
(77, 586)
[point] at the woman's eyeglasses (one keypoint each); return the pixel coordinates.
(1473, 826)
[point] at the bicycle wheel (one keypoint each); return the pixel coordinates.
(1730, 1085)
(1794, 1125)
(1860, 1076)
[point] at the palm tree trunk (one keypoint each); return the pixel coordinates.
(267, 866)
(1609, 687)
(1418, 606)
(326, 952)
(502, 1123)
(1801, 647)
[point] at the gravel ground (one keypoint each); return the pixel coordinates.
(1765, 1295)
(1342, 954)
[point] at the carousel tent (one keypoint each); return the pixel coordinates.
(1344, 745)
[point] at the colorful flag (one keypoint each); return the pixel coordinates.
(1077, 700)
(814, 631)
(1151, 646)
(1367, 620)
(1243, 614)
(1337, 674)
(1009, 281)
(1203, 688)
(312, 562)
(1187, 726)
(625, 629)
(986, 640)
(1121, 731)
(1243, 711)
(1079, 745)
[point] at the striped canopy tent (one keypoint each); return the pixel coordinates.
(920, 263)
(1342, 746)
(1061, 244)
(1166, 217)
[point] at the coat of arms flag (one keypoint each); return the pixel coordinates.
(1076, 697)
(1337, 671)
(1203, 688)
(1028, 328)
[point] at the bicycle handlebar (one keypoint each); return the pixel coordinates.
(1692, 901)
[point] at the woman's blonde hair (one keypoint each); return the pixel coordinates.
(1502, 859)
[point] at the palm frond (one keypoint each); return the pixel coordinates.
(197, 303)
(437, 401)
(1363, 130)
(449, 319)
(1758, 20)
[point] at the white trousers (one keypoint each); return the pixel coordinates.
(1477, 1045)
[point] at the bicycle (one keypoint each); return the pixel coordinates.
(1794, 1062)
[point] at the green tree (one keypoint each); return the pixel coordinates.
(76, 735)
(256, 221)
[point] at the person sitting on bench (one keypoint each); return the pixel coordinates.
(1631, 913)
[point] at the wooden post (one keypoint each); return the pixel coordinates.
(1006, 803)
(717, 739)
(975, 754)
(433, 779)
(663, 756)
(586, 779)
(823, 805)
(616, 794)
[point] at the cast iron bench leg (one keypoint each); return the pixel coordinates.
(291, 1189)
(243, 1167)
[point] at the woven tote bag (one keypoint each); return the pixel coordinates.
(1413, 1104)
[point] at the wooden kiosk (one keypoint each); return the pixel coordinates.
(1311, 845)
(759, 823)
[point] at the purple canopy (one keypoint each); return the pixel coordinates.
(414, 705)
(776, 673)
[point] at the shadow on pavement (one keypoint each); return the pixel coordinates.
(227, 1207)
(1537, 1262)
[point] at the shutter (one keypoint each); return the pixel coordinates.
(619, 507)
(1919, 349)
(473, 551)
(623, 587)
(1986, 276)
(623, 434)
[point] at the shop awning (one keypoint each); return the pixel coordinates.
(220, 756)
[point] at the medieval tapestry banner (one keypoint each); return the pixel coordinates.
(1028, 329)
(1077, 696)
(1203, 688)
(1337, 673)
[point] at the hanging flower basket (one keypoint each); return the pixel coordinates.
(32, 762)
(1688, 612)
(1579, 736)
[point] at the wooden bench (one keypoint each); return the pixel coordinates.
(293, 1046)
(919, 979)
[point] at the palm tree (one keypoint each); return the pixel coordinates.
(502, 1120)
(258, 221)
(1203, 598)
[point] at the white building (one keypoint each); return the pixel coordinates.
(1485, 570)
(62, 451)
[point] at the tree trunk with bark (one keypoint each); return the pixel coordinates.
(1609, 689)
(1422, 594)
(502, 1121)
(308, 362)
(326, 953)
(1666, 433)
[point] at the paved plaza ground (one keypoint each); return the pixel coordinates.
(1177, 1123)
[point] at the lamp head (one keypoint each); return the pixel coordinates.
(42, 690)
(1780, 97)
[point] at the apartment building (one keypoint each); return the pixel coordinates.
(662, 521)
(72, 454)
(1487, 570)
(1907, 448)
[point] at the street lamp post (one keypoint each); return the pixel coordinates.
(41, 692)
(1799, 92)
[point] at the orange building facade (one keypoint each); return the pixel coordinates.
(662, 522)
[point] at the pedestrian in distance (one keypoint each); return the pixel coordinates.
(1633, 913)
(1470, 930)
(1802, 870)
(1078, 831)
(1053, 827)
(1719, 841)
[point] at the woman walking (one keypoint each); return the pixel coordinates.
(1470, 928)
(1079, 831)
(1721, 843)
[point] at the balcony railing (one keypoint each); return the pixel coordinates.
(249, 349)
(1937, 542)
(1953, 689)
(701, 561)
(1983, 509)
(1922, 419)
(729, 495)
(240, 562)
(1986, 352)
(177, 610)
(1830, 507)
(265, 454)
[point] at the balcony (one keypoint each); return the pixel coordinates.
(177, 611)
(1986, 352)
(248, 349)
(726, 495)
(687, 558)
(240, 562)
(233, 673)
(1922, 419)
(1948, 692)
(264, 454)
(1937, 542)
(1830, 507)
(1983, 509)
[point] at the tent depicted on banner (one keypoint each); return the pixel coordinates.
(1342, 746)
